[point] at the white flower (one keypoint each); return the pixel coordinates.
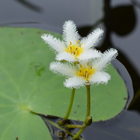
(85, 73)
(71, 49)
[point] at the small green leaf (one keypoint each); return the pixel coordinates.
(27, 83)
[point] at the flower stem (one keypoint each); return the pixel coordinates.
(79, 132)
(61, 122)
(88, 101)
(70, 105)
(88, 119)
(74, 126)
(86, 123)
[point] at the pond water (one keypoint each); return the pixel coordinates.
(119, 19)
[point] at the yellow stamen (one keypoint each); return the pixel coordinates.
(75, 50)
(77, 41)
(85, 72)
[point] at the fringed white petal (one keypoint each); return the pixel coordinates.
(74, 82)
(92, 39)
(70, 33)
(100, 77)
(63, 69)
(65, 56)
(89, 54)
(105, 59)
(54, 43)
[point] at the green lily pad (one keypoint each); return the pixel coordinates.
(27, 83)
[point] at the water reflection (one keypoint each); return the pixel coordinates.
(135, 3)
(53, 14)
(30, 5)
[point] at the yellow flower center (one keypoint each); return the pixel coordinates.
(75, 50)
(85, 71)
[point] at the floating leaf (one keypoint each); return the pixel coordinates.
(26, 83)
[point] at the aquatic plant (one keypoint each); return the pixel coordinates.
(84, 65)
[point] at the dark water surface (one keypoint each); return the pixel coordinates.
(121, 21)
(119, 128)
